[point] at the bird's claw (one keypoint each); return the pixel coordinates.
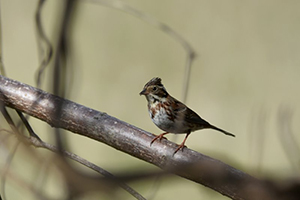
(181, 146)
(160, 137)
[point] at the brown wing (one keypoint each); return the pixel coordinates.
(193, 119)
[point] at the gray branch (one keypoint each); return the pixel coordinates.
(129, 139)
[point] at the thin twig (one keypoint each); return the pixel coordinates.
(2, 70)
(190, 52)
(72, 156)
(45, 49)
(6, 167)
(27, 125)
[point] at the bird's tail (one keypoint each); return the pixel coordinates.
(218, 129)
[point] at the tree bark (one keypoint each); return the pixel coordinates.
(127, 138)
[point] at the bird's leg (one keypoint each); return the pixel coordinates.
(158, 137)
(181, 146)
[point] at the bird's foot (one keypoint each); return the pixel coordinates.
(181, 146)
(160, 137)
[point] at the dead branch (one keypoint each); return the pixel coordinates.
(127, 138)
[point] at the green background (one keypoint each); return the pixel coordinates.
(247, 69)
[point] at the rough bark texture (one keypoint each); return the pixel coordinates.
(134, 141)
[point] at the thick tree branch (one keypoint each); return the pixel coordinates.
(134, 141)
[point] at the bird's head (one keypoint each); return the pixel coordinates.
(154, 90)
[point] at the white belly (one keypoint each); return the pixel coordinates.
(162, 121)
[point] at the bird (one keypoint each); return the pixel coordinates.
(171, 115)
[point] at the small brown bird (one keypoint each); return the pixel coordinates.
(171, 115)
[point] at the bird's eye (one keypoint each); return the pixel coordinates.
(154, 88)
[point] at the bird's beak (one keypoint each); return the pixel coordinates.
(144, 92)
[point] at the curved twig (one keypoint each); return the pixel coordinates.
(190, 52)
(39, 143)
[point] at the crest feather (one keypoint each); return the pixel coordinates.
(154, 81)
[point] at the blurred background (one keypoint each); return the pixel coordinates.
(245, 79)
